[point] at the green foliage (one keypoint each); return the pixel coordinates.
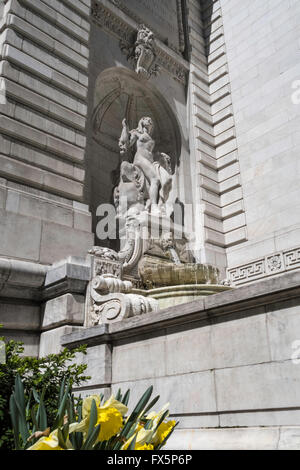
(41, 380)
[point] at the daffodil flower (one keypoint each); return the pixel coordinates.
(109, 416)
(141, 436)
(47, 443)
(163, 429)
(144, 447)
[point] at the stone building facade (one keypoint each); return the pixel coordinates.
(220, 83)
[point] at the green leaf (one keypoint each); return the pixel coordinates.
(93, 418)
(137, 412)
(132, 443)
(34, 420)
(20, 404)
(65, 432)
(19, 393)
(61, 391)
(78, 440)
(62, 409)
(61, 440)
(91, 439)
(164, 415)
(42, 414)
(125, 399)
(36, 395)
(151, 404)
(149, 424)
(15, 420)
(28, 403)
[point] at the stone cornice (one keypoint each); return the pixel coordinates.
(121, 25)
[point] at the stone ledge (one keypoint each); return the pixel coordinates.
(34, 281)
(21, 279)
(70, 275)
(244, 298)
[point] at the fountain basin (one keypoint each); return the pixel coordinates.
(159, 272)
(180, 294)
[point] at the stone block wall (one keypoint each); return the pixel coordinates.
(262, 46)
(44, 74)
(245, 114)
(214, 148)
(228, 365)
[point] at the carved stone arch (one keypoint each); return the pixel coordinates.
(120, 93)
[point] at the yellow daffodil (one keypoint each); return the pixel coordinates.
(47, 443)
(142, 436)
(164, 428)
(109, 416)
(110, 420)
(144, 447)
(163, 431)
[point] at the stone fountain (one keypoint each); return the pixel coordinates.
(155, 267)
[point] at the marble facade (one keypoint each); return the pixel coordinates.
(219, 81)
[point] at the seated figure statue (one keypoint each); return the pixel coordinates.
(152, 179)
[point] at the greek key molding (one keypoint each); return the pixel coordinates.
(276, 263)
(166, 57)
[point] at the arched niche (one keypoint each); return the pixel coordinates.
(119, 94)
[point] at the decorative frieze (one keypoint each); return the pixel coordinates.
(276, 263)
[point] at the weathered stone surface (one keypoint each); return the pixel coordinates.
(2, 198)
(161, 15)
(183, 354)
(289, 438)
(20, 317)
(240, 342)
(146, 359)
(270, 385)
(67, 309)
(59, 241)
(98, 359)
(198, 387)
(227, 439)
(283, 329)
(280, 417)
(82, 392)
(11, 226)
(50, 341)
(72, 267)
(260, 70)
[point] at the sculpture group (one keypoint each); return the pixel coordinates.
(122, 281)
(146, 183)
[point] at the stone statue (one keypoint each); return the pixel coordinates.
(142, 53)
(152, 179)
(145, 52)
